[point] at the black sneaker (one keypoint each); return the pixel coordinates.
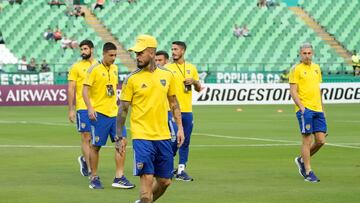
(184, 177)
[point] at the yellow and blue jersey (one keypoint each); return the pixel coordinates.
(308, 79)
(99, 78)
(78, 73)
(147, 93)
(182, 72)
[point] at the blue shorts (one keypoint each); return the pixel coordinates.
(82, 121)
(311, 121)
(153, 157)
(102, 128)
(188, 124)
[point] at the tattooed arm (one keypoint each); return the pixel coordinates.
(175, 109)
(120, 124)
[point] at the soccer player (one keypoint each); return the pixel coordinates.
(99, 93)
(77, 75)
(149, 90)
(161, 58)
(305, 79)
(186, 76)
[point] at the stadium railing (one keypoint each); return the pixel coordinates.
(208, 72)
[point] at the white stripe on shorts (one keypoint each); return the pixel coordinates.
(93, 134)
(172, 131)
(303, 124)
(134, 168)
(79, 122)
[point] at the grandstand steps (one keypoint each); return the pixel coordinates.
(321, 32)
(107, 36)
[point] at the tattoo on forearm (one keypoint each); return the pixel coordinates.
(121, 118)
(175, 109)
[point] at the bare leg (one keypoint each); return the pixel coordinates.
(94, 159)
(146, 182)
(85, 147)
(305, 151)
(160, 187)
(319, 142)
(120, 163)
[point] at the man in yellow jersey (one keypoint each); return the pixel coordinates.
(186, 76)
(99, 93)
(305, 79)
(161, 58)
(149, 90)
(77, 75)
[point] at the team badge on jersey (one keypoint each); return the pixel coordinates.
(83, 125)
(163, 82)
(97, 138)
(308, 126)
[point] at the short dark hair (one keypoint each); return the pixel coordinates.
(87, 42)
(180, 43)
(109, 46)
(164, 53)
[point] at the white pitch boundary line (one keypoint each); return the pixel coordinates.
(245, 138)
(195, 146)
(341, 145)
(36, 122)
(273, 140)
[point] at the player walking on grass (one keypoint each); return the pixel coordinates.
(186, 76)
(305, 79)
(148, 90)
(77, 75)
(99, 93)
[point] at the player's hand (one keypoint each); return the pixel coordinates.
(92, 114)
(180, 137)
(302, 109)
(72, 116)
(120, 144)
(189, 81)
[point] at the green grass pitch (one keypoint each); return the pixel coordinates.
(236, 155)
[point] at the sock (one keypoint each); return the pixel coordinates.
(181, 168)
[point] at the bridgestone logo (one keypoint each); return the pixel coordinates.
(271, 94)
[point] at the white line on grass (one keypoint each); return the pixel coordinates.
(35, 122)
(244, 138)
(195, 146)
(342, 145)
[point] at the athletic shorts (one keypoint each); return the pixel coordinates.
(311, 121)
(103, 127)
(82, 121)
(172, 126)
(153, 157)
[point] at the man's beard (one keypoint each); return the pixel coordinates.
(142, 66)
(85, 56)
